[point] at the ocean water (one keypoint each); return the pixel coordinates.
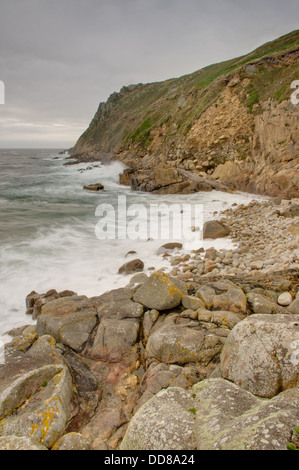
(48, 237)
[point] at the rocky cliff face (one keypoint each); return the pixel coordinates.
(233, 122)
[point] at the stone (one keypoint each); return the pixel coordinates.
(230, 418)
(214, 415)
(234, 300)
(227, 171)
(257, 264)
(262, 304)
(159, 423)
(37, 405)
(179, 340)
(169, 247)
(69, 320)
(159, 292)
(285, 299)
(94, 187)
(132, 267)
(291, 212)
(294, 229)
(294, 307)
(260, 354)
(118, 304)
(213, 230)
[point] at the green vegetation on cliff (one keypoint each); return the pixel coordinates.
(132, 117)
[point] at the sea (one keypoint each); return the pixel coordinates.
(49, 228)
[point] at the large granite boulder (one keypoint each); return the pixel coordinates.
(159, 292)
(214, 415)
(182, 341)
(260, 354)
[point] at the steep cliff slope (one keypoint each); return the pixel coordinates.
(232, 121)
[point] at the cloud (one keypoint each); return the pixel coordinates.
(59, 59)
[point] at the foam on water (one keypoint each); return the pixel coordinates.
(47, 232)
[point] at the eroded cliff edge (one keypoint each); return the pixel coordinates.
(233, 122)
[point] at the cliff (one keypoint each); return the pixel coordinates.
(233, 122)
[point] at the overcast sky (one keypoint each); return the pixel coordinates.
(60, 58)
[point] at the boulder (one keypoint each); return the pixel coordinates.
(192, 303)
(94, 187)
(214, 415)
(234, 300)
(213, 230)
(260, 354)
(118, 304)
(163, 423)
(20, 443)
(230, 418)
(114, 339)
(72, 441)
(37, 405)
(169, 247)
(132, 267)
(159, 292)
(69, 320)
(227, 172)
(174, 343)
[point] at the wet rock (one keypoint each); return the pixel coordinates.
(230, 418)
(132, 267)
(213, 230)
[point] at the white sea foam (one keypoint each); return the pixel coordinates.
(60, 251)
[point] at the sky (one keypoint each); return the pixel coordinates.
(60, 58)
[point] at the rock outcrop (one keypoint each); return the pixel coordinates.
(152, 367)
(231, 124)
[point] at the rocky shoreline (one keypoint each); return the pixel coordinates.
(204, 356)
